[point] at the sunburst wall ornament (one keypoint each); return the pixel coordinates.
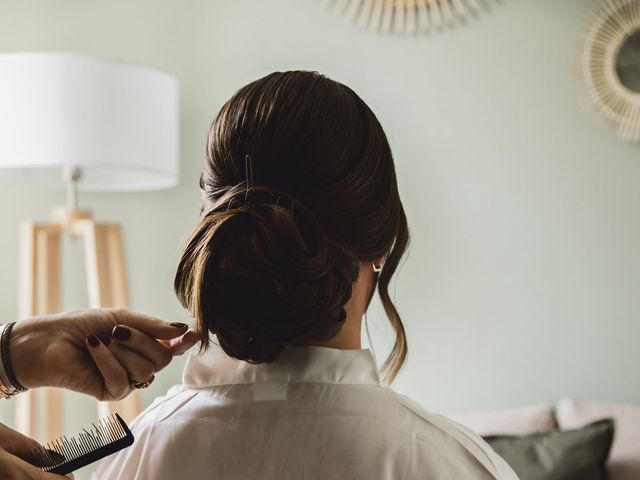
(408, 16)
(611, 66)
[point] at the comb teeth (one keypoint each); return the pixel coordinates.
(62, 453)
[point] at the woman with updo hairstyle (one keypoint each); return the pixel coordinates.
(301, 223)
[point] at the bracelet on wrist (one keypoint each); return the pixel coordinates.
(9, 384)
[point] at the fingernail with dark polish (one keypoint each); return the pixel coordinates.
(179, 325)
(104, 338)
(121, 333)
(93, 340)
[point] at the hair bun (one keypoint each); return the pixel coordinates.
(259, 272)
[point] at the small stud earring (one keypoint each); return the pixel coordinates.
(376, 268)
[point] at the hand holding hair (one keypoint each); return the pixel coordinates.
(101, 352)
(105, 353)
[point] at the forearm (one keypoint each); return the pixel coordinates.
(27, 347)
(21, 349)
(9, 385)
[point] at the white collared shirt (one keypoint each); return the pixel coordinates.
(315, 413)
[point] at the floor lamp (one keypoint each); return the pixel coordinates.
(82, 124)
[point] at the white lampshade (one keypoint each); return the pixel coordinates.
(115, 122)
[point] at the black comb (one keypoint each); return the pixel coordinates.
(63, 456)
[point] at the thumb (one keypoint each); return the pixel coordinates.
(14, 467)
(152, 326)
(15, 442)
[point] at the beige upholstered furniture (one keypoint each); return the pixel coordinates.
(624, 459)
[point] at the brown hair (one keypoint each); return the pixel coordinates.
(299, 187)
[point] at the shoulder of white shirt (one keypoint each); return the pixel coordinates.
(472, 442)
(469, 440)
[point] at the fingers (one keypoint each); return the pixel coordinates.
(181, 344)
(15, 468)
(15, 442)
(152, 326)
(132, 353)
(129, 354)
(116, 379)
(138, 367)
(157, 353)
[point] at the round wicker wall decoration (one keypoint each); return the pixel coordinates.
(611, 66)
(406, 16)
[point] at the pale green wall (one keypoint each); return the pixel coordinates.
(523, 279)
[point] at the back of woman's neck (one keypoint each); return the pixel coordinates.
(348, 338)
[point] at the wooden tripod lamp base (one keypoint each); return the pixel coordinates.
(40, 294)
(132, 145)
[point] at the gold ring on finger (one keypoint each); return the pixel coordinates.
(139, 385)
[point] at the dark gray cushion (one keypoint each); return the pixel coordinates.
(579, 454)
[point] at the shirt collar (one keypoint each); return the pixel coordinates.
(296, 364)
